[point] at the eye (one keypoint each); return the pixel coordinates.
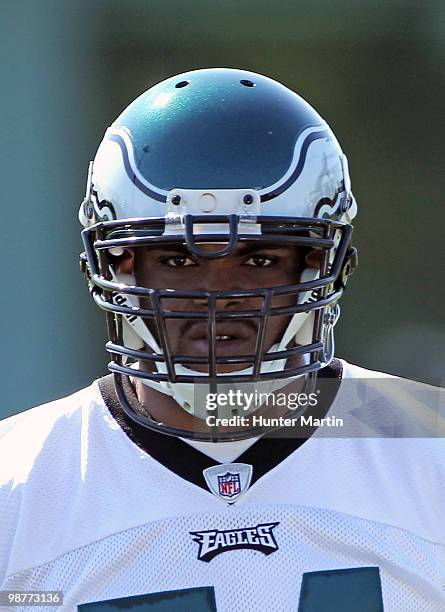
(260, 261)
(178, 261)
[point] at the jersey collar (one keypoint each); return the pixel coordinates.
(185, 460)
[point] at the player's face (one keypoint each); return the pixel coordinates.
(249, 266)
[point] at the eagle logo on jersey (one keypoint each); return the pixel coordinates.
(214, 542)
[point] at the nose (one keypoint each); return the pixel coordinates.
(228, 303)
(225, 283)
(217, 279)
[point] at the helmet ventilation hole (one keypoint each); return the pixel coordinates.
(247, 83)
(181, 84)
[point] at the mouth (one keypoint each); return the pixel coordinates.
(229, 339)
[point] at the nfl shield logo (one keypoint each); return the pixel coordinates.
(229, 484)
(228, 481)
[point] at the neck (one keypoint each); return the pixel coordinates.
(163, 408)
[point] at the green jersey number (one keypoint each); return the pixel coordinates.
(340, 590)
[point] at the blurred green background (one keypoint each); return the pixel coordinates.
(375, 71)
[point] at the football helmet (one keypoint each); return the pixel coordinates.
(220, 156)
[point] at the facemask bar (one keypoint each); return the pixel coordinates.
(99, 238)
(326, 290)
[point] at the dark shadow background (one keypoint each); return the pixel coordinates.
(375, 71)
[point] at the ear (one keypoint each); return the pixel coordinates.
(313, 258)
(124, 262)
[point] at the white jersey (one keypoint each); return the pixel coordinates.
(338, 524)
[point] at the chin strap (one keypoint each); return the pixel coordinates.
(331, 319)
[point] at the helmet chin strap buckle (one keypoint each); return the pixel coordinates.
(330, 318)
